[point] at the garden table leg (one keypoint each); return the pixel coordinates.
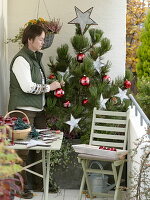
(44, 168)
(46, 177)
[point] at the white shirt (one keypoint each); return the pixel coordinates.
(21, 69)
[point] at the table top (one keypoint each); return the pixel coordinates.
(54, 145)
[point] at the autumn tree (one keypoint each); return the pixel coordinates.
(136, 14)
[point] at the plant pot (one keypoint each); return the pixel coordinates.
(69, 178)
(48, 40)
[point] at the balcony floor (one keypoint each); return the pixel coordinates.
(66, 194)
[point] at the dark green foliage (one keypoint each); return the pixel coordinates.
(129, 75)
(143, 95)
(20, 125)
(80, 43)
(94, 46)
(63, 59)
(96, 35)
(34, 134)
(105, 46)
(143, 54)
(78, 29)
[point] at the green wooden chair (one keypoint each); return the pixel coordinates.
(109, 129)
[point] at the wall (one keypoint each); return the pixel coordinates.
(136, 132)
(109, 14)
(3, 58)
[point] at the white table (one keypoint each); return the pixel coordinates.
(55, 145)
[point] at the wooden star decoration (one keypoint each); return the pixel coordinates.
(33, 143)
(83, 18)
(63, 73)
(98, 65)
(73, 123)
(103, 102)
(122, 95)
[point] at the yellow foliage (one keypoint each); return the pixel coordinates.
(136, 14)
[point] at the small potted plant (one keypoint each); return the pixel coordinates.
(11, 181)
(51, 27)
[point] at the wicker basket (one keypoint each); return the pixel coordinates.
(19, 134)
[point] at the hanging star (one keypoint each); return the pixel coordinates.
(73, 123)
(83, 18)
(103, 102)
(122, 94)
(98, 64)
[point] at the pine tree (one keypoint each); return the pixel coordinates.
(143, 65)
(81, 97)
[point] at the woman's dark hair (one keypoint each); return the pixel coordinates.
(30, 32)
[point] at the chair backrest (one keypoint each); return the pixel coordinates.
(109, 128)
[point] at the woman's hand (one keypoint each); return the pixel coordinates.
(62, 83)
(55, 85)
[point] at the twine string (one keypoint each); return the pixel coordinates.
(45, 9)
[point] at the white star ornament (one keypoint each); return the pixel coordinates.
(103, 102)
(63, 73)
(98, 64)
(122, 94)
(73, 123)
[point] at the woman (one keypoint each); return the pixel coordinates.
(28, 82)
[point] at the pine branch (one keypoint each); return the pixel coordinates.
(80, 43)
(95, 35)
(105, 46)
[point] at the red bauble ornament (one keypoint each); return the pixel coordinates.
(59, 93)
(112, 149)
(25, 120)
(52, 76)
(67, 104)
(80, 57)
(102, 147)
(106, 78)
(85, 81)
(14, 118)
(85, 101)
(1, 120)
(127, 84)
(8, 120)
(107, 148)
